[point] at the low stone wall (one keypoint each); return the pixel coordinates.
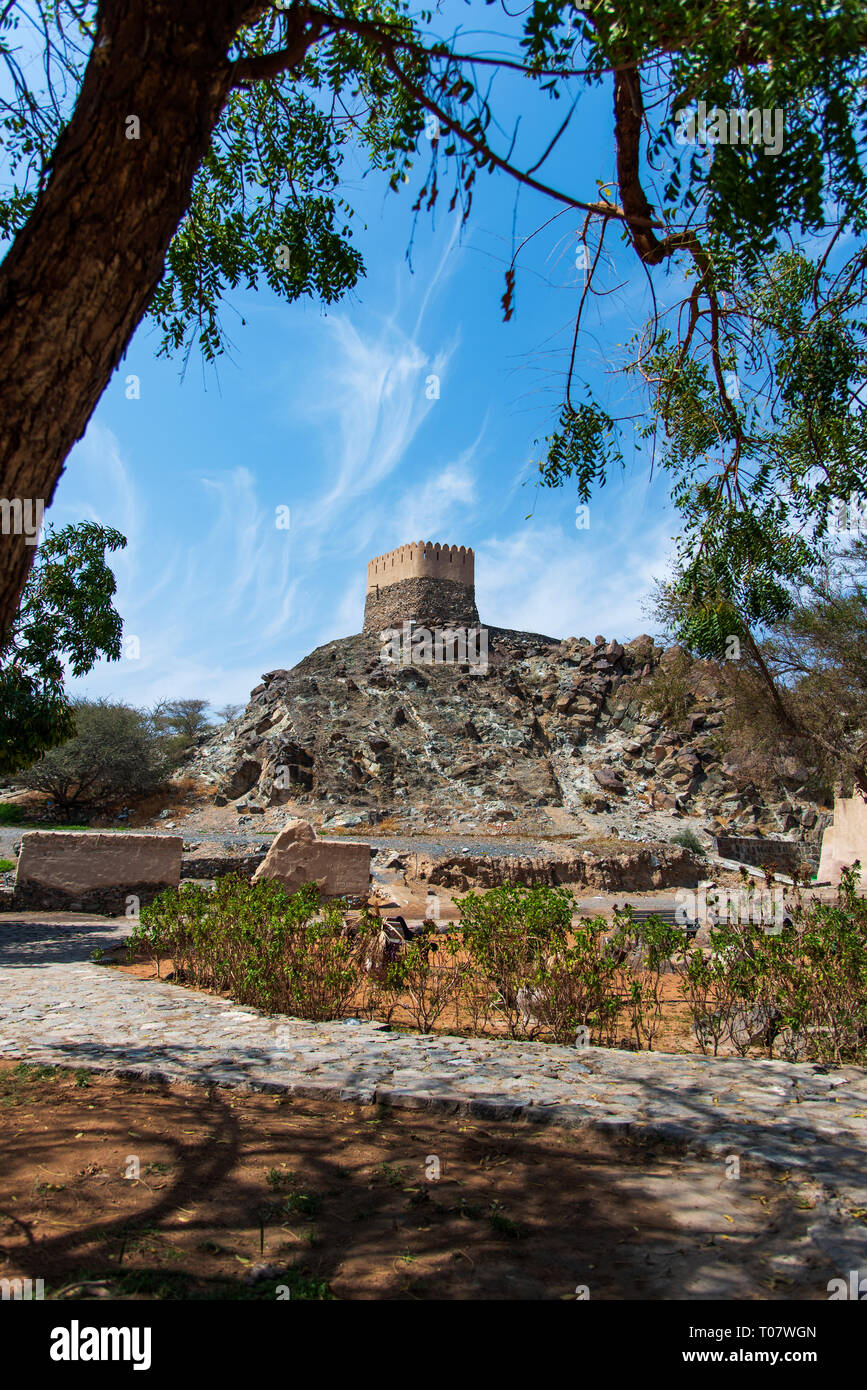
(788, 856)
(78, 871)
(123, 900)
(219, 865)
(662, 866)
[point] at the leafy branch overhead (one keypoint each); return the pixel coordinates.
(252, 120)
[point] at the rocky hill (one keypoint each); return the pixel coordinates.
(550, 735)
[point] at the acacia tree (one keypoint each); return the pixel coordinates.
(177, 148)
(180, 723)
(114, 751)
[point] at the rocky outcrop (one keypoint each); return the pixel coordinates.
(545, 724)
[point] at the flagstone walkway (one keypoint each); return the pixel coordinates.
(57, 1006)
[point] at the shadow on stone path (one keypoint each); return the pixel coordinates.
(56, 1006)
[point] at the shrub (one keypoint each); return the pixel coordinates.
(647, 952)
(689, 840)
(425, 979)
(577, 985)
(669, 692)
(508, 933)
(281, 953)
(799, 988)
(115, 751)
(10, 814)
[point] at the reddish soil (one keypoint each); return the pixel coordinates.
(345, 1201)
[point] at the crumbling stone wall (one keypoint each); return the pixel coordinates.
(432, 602)
(788, 856)
(219, 865)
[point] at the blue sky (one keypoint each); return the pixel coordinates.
(329, 414)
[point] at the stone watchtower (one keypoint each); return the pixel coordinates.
(434, 584)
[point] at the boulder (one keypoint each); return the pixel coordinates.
(340, 868)
(609, 780)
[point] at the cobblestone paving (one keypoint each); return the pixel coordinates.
(57, 1006)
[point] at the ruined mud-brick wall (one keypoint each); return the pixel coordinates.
(434, 584)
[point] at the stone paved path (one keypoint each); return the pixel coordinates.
(57, 1006)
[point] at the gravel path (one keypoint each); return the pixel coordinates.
(56, 1006)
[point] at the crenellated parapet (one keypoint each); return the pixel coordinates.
(422, 560)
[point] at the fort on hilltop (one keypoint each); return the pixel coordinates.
(430, 583)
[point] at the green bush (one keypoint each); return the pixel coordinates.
(689, 840)
(281, 953)
(114, 751)
(10, 814)
(798, 989)
(508, 934)
(425, 979)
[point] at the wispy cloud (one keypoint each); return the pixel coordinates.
(543, 579)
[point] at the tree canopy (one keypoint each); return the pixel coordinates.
(115, 751)
(175, 150)
(66, 617)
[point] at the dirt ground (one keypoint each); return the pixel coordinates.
(135, 1190)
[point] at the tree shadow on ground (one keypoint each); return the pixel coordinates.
(369, 1202)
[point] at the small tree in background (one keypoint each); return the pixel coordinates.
(180, 723)
(795, 684)
(115, 751)
(228, 712)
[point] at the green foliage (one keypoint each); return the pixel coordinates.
(583, 448)
(265, 207)
(798, 988)
(796, 688)
(282, 953)
(689, 840)
(757, 476)
(753, 473)
(180, 723)
(10, 813)
(508, 933)
(425, 979)
(115, 751)
(66, 617)
(503, 1225)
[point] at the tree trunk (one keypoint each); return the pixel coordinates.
(79, 275)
